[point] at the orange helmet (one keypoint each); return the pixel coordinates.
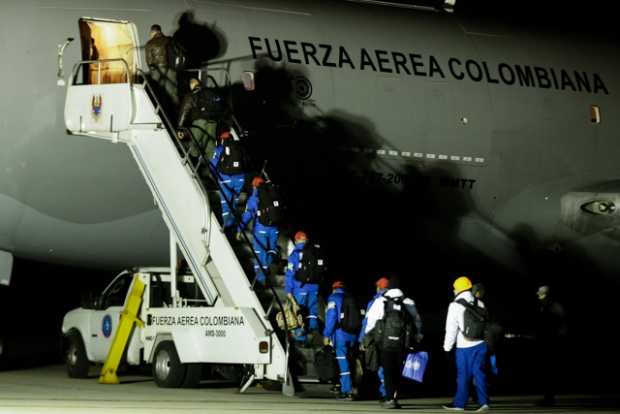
(257, 182)
(225, 135)
(300, 235)
(338, 284)
(383, 283)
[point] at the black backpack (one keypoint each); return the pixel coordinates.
(475, 320)
(210, 105)
(233, 157)
(326, 365)
(394, 331)
(270, 207)
(350, 315)
(312, 266)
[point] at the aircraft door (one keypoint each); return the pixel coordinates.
(109, 40)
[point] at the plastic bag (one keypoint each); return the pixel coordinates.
(415, 365)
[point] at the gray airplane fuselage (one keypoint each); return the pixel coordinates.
(503, 118)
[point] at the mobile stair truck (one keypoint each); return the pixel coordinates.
(155, 316)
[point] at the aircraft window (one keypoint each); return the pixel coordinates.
(595, 114)
(104, 41)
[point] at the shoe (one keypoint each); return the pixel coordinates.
(483, 408)
(452, 407)
(390, 405)
(344, 397)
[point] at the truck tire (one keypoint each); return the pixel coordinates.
(168, 371)
(193, 375)
(75, 358)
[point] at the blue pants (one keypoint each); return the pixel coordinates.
(470, 363)
(231, 186)
(309, 302)
(343, 342)
(381, 376)
(266, 248)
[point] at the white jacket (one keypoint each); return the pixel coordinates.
(376, 311)
(455, 323)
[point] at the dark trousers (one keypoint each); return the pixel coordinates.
(392, 363)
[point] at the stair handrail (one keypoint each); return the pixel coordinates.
(195, 171)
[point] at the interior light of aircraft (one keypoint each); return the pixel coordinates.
(61, 50)
(599, 207)
(247, 77)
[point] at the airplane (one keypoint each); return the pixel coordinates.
(516, 137)
(407, 138)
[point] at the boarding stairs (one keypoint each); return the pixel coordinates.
(129, 113)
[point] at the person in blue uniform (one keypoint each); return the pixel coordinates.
(230, 176)
(305, 294)
(382, 286)
(342, 341)
(265, 241)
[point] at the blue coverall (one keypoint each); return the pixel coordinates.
(306, 294)
(343, 341)
(231, 186)
(265, 241)
(363, 333)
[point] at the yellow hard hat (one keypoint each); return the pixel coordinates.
(462, 284)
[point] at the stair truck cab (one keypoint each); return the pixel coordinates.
(178, 334)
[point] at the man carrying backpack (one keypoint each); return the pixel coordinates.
(382, 287)
(302, 281)
(161, 60)
(466, 326)
(228, 163)
(391, 320)
(264, 208)
(342, 322)
(202, 111)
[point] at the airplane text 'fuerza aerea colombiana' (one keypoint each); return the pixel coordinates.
(413, 64)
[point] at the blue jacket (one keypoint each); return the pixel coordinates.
(251, 208)
(217, 155)
(291, 284)
(332, 317)
(365, 320)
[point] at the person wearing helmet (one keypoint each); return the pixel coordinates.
(390, 320)
(470, 351)
(551, 332)
(381, 286)
(305, 294)
(228, 165)
(202, 112)
(266, 232)
(342, 340)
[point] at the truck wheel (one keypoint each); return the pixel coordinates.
(167, 369)
(193, 375)
(76, 359)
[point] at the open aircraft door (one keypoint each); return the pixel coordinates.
(99, 94)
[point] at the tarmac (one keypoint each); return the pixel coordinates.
(49, 390)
